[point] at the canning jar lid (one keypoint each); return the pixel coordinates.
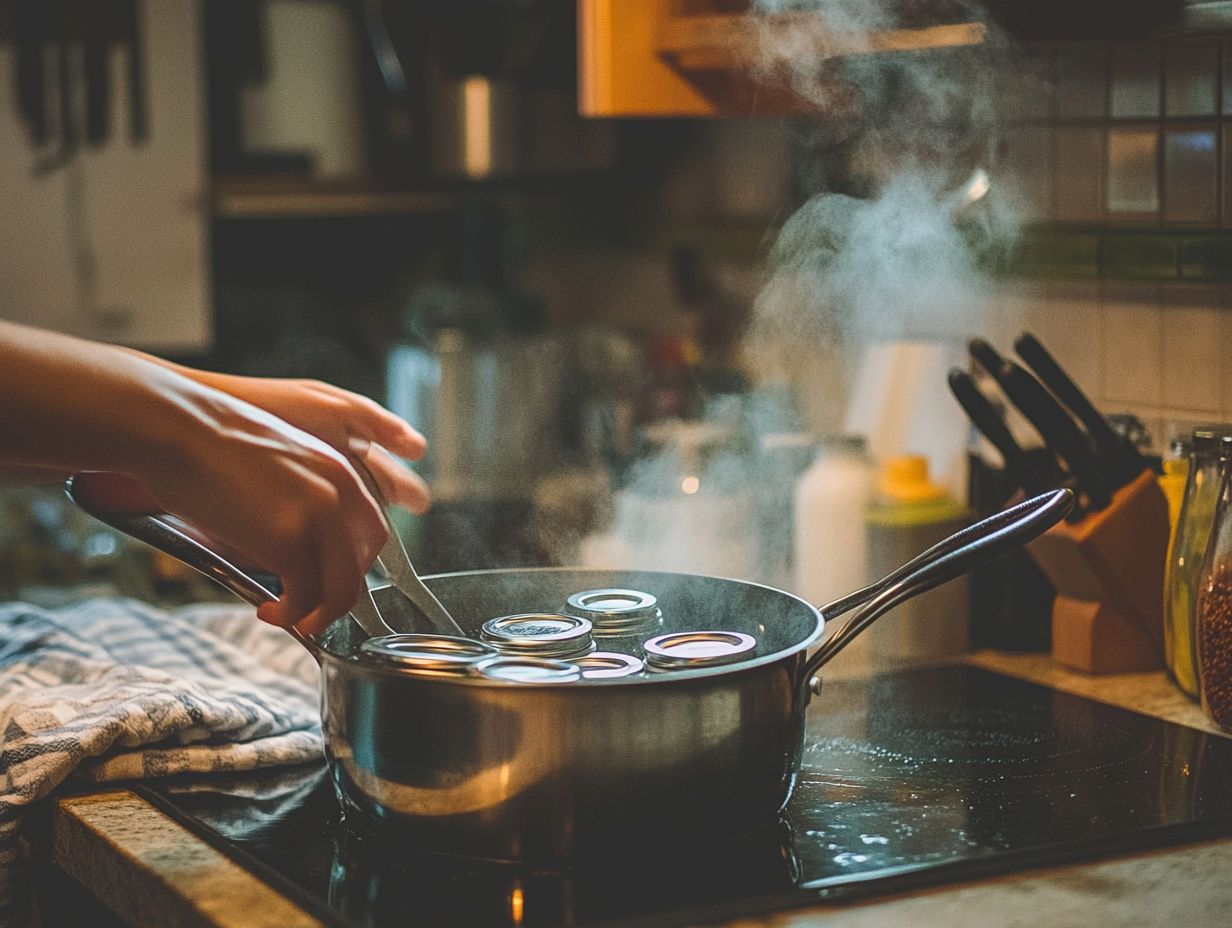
(541, 634)
(432, 653)
(614, 610)
(684, 650)
(604, 665)
(526, 669)
(1205, 439)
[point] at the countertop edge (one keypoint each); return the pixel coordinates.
(150, 870)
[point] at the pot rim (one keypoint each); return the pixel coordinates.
(649, 679)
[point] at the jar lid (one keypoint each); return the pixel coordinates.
(1206, 437)
(542, 634)
(431, 653)
(616, 611)
(511, 669)
(684, 650)
(604, 665)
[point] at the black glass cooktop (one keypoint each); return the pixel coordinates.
(914, 777)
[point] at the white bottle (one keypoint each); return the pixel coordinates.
(830, 535)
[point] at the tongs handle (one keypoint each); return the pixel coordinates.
(963, 551)
(156, 531)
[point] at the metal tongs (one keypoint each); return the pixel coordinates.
(407, 605)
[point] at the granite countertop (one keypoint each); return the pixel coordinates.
(152, 871)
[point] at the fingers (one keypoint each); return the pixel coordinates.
(398, 484)
(370, 420)
(329, 550)
(341, 585)
(301, 589)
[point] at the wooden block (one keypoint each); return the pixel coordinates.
(1091, 637)
(1108, 571)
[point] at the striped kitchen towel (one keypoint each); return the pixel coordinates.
(115, 689)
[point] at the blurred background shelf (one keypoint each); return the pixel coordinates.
(234, 199)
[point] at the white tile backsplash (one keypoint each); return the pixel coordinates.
(1191, 356)
(1155, 353)
(1225, 349)
(1070, 330)
(1131, 346)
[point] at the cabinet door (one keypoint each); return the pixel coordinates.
(113, 244)
(703, 57)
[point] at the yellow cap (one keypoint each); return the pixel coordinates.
(905, 479)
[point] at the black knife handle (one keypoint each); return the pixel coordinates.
(986, 356)
(1055, 379)
(985, 417)
(1056, 428)
(1124, 457)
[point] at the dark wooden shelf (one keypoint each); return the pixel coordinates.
(248, 199)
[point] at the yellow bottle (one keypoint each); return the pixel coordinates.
(907, 514)
(1172, 482)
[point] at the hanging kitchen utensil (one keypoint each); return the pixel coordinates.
(1050, 420)
(66, 75)
(32, 27)
(95, 46)
(1123, 461)
(138, 111)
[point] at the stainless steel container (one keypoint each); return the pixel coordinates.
(490, 410)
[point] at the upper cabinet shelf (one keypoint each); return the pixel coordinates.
(730, 41)
(652, 58)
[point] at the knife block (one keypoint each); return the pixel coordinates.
(1108, 571)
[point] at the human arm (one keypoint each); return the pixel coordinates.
(280, 496)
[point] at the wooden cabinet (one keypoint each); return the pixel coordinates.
(700, 57)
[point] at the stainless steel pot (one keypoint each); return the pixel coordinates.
(545, 772)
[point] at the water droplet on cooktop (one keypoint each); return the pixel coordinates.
(848, 858)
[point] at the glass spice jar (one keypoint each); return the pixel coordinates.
(1185, 554)
(1213, 626)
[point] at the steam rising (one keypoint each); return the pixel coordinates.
(903, 205)
(900, 219)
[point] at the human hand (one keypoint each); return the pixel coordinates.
(364, 431)
(262, 488)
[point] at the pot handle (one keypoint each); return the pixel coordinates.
(158, 532)
(961, 552)
(838, 607)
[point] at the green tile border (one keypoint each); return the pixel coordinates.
(1119, 254)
